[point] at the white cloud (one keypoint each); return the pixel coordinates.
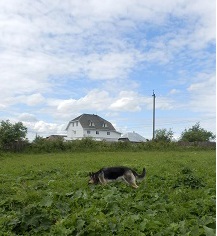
(30, 100)
(127, 101)
(174, 91)
(102, 100)
(45, 128)
(110, 66)
(205, 85)
(39, 127)
(48, 46)
(95, 100)
(203, 94)
(27, 117)
(32, 34)
(34, 99)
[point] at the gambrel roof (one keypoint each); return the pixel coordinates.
(91, 121)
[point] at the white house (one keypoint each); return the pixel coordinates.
(88, 125)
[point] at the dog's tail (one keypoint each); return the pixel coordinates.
(142, 176)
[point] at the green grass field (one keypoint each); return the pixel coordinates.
(48, 194)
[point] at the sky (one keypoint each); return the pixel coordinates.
(62, 58)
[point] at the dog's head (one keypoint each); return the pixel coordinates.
(93, 178)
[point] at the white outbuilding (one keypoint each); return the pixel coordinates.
(132, 137)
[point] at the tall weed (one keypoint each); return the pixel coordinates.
(90, 145)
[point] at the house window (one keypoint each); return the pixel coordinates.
(88, 131)
(76, 123)
(108, 133)
(72, 124)
(97, 132)
(104, 125)
(91, 123)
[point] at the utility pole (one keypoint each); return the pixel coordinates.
(153, 95)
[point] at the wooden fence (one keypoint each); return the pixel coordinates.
(197, 144)
(16, 146)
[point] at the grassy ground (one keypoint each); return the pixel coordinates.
(47, 194)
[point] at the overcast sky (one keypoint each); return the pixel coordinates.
(62, 58)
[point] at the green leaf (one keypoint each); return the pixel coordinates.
(209, 231)
(143, 224)
(47, 202)
(80, 224)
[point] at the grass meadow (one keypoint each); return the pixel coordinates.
(48, 194)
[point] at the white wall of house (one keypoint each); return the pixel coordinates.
(102, 134)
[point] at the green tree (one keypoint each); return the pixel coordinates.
(38, 139)
(163, 135)
(196, 133)
(11, 132)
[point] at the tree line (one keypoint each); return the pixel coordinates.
(17, 132)
(194, 134)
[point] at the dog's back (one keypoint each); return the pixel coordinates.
(114, 172)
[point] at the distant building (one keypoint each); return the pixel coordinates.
(88, 125)
(55, 137)
(132, 137)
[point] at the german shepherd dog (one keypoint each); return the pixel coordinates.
(107, 174)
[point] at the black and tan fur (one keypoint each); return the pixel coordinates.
(105, 175)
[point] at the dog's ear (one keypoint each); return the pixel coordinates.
(90, 173)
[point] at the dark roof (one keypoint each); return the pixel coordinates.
(99, 122)
(56, 136)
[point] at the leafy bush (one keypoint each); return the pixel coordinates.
(163, 135)
(188, 179)
(12, 136)
(196, 133)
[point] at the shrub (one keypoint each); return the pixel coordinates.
(188, 179)
(196, 133)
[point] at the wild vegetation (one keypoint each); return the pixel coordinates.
(48, 194)
(89, 145)
(196, 133)
(44, 191)
(13, 138)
